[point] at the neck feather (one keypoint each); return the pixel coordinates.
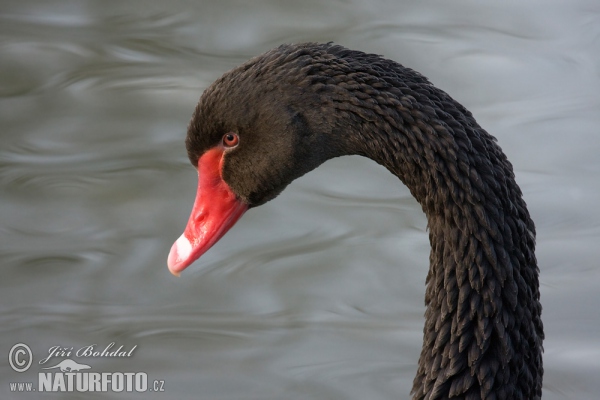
(483, 333)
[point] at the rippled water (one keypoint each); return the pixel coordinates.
(318, 294)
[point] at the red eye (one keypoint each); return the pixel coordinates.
(231, 140)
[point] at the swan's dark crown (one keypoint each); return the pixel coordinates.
(296, 106)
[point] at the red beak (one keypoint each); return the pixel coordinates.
(215, 211)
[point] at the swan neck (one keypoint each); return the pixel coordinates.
(483, 333)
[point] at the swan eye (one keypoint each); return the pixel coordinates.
(231, 139)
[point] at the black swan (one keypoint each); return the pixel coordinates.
(283, 113)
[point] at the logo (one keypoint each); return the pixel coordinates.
(69, 366)
(20, 357)
(68, 375)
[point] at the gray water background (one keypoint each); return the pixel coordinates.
(319, 293)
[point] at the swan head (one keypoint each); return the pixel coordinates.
(255, 130)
